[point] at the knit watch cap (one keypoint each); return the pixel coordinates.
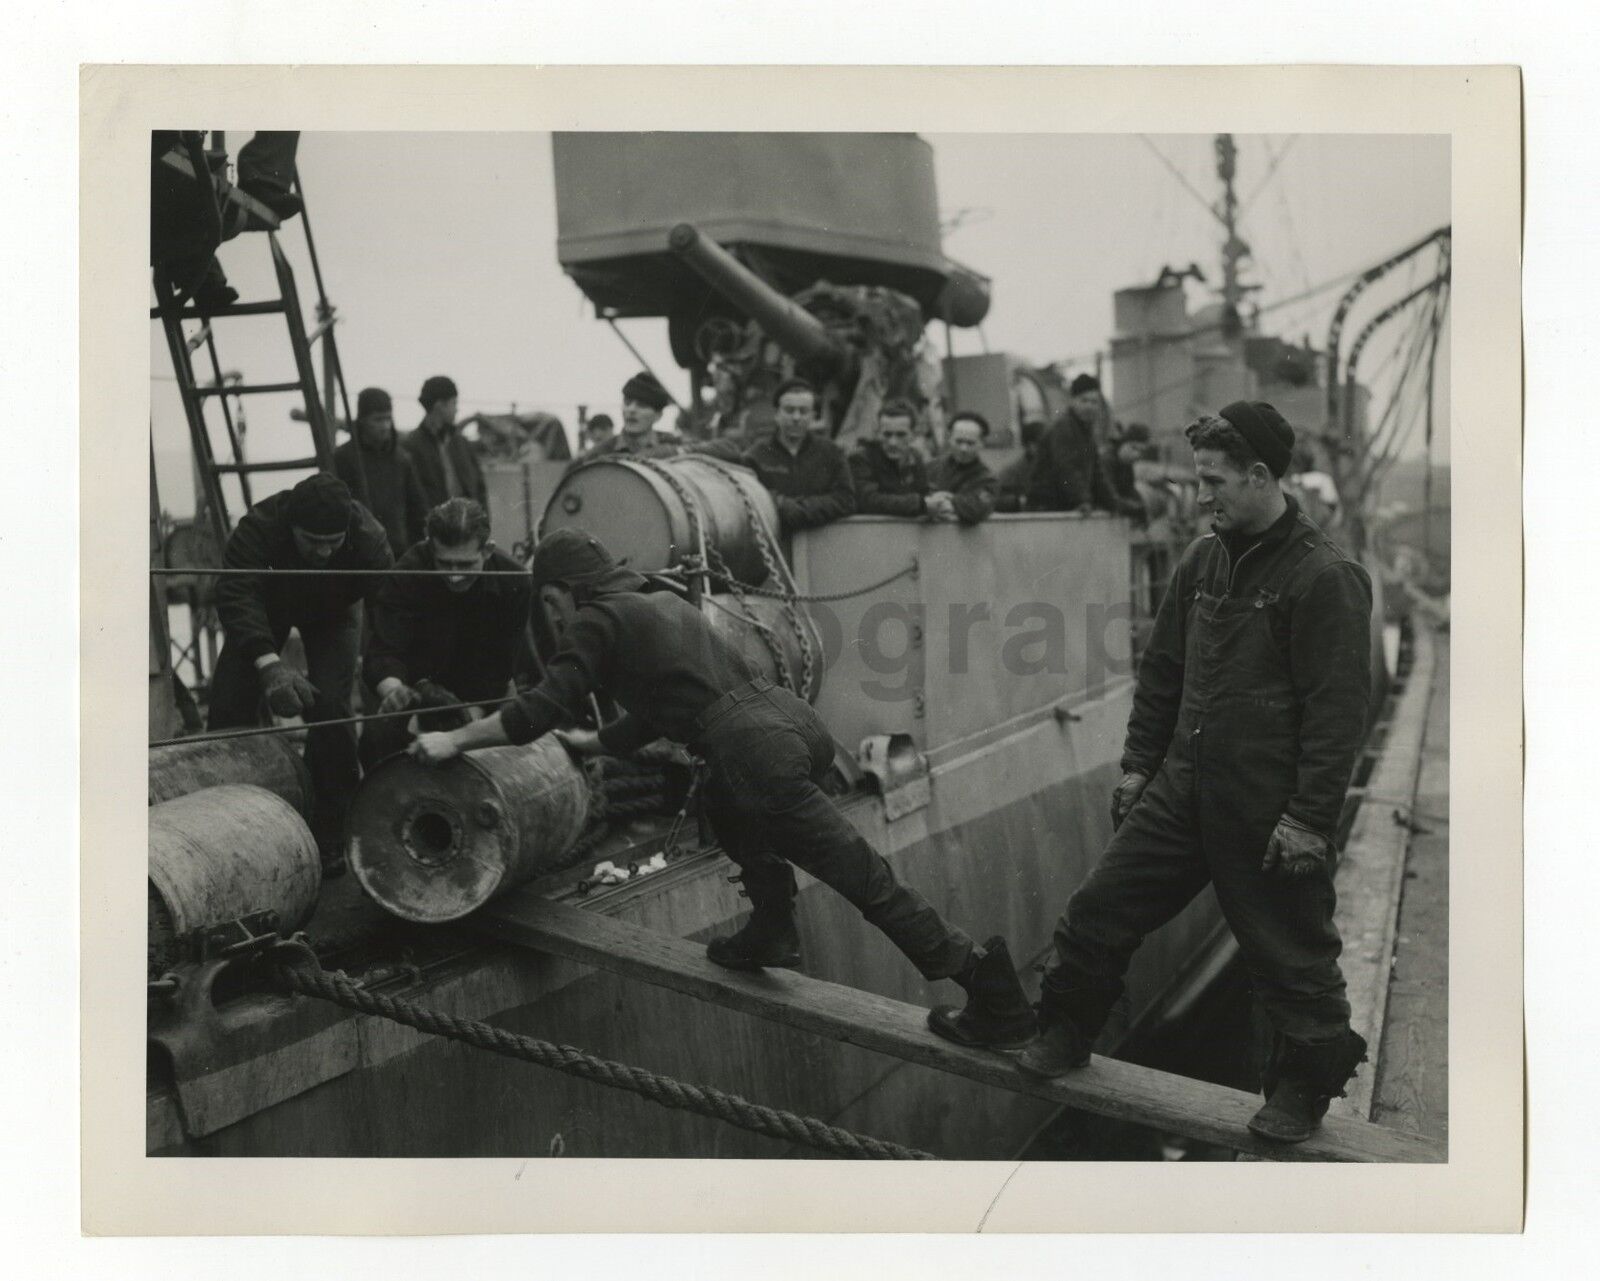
(646, 388)
(1265, 430)
(373, 400)
(320, 504)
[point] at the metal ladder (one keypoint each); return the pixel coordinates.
(173, 312)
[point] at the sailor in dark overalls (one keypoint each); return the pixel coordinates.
(1250, 709)
(766, 751)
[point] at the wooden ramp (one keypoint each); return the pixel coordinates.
(1196, 1109)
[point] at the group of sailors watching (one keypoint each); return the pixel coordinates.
(1064, 466)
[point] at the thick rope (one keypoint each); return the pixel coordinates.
(669, 1093)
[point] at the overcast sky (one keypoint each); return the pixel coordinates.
(439, 252)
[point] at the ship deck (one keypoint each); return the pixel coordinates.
(1410, 1092)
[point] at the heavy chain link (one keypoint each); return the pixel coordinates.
(778, 572)
(711, 558)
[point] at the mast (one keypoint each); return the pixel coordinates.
(1235, 250)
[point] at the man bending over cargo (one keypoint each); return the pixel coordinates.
(446, 639)
(314, 526)
(674, 677)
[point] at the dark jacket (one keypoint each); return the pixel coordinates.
(810, 488)
(466, 641)
(730, 449)
(1271, 709)
(652, 652)
(1013, 484)
(971, 484)
(1069, 473)
(423, 451)
(618, 446)
(885, 487)
(385, 481)
(257, 613)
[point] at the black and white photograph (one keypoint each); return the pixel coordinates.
(774, 645)
(813, 692)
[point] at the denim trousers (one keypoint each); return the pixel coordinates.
(768, 751)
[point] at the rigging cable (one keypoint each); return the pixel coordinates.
(1272, 168)
(1176, 173)
(1382, 466)
(1382, 456)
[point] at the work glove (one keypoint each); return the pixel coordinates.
(287, 692)
(580, 742)
(1126, 794)
(1294, 849)
(434, 749)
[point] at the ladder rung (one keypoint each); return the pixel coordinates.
(232, 309)
(248, 389)
(286, 464)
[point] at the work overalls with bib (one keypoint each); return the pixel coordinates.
(1230, 771)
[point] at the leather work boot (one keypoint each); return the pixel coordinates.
(1301, 1081)
(1058, 1049)
(997, 1014)
(769, 940)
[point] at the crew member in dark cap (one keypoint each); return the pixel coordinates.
(1068, 474)
(1250, 709)
(440, 455)
(380, 473)
(675, 677)
(643, 399)
(315, 525)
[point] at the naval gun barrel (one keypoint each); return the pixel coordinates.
(795, 329)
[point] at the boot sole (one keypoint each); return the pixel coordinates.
(744, 965)
(1263, 1132)
(942, 1024)
(1051, 1074)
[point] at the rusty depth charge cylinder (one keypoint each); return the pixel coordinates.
(226, 852)
(641, 516)
(267, 760)
(431, 843)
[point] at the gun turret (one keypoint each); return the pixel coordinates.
(795, 329)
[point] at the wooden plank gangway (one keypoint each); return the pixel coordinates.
(1371, 877)
(1108, 1087)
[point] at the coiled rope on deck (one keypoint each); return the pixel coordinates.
(684, 1096)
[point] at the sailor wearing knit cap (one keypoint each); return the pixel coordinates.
(1250, 710)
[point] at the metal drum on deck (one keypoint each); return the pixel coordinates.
(638, 513)
(226, 852)
(431, 843)
(266, 760)
(755, 639)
